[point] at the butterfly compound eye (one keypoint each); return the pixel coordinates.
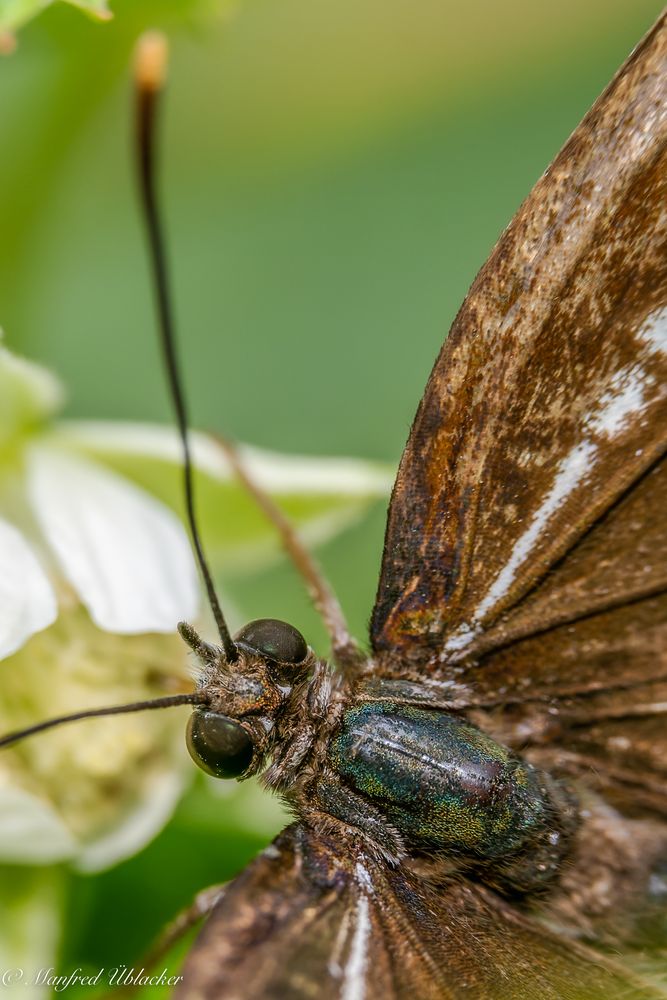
(274, 639)
(218, 745)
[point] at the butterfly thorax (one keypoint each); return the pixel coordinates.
(409, 778)
(449, 789)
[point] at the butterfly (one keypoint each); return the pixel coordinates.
(480, 802)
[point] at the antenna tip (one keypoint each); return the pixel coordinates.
(150, 60)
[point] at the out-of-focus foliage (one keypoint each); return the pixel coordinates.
(334, 176)
(15, 13)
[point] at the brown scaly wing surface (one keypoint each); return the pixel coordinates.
(580, 665)
(305, 922)
(529, 497)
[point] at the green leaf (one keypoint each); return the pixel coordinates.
(29, 395)
(30, 928)
(15, 13)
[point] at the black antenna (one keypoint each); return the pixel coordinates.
(195, 698)
(149, 75)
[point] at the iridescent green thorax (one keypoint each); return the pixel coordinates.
(444, 784)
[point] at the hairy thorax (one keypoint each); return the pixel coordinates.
(425, 786)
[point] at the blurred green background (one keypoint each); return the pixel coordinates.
(334, 175)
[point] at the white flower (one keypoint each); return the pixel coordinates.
(65, 517)
(95, 571)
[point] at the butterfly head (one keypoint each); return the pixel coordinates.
(230, 735)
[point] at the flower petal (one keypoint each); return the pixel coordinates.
(31, 831)
(138, 827)
(321, 496)
(126, 554)
(27, 600)
(274, 471)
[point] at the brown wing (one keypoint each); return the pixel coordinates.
(581, 664)
(304, 921)
(575, 677)
(547, 405)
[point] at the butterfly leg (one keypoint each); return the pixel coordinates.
(334, 805)
(344, 648)
(201, 907)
